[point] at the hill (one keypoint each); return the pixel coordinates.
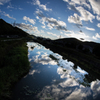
(76, 42)
(8, 29)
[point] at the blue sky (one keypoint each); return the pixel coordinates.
(55, 18)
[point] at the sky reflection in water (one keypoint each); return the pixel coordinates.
(58, 78)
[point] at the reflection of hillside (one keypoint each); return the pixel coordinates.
(87, 78)
(66, 70)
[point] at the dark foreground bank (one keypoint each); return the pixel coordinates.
(13, 65)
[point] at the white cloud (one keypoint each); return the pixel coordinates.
(81, 2)
(98, 17)
(77, 35)
(66, 0)
(2, 2)
(29, 28)
(98, 25)
(96, 36)
(7, 15)
(91, 29)
(78, 2)
(95, 6)
(37, 17)
(52, 34)
(26, 26)
(10, 6)
(37, 2)
(43, 27)
(51, 22)
(75, 19)
(85, 15)
(32, 21)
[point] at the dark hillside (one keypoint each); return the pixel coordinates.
(76, 44)
(76, 41)
(8, 29)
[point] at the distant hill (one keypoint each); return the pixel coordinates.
(75, 42)
(8, 29)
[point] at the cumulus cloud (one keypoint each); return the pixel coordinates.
(72, 7)
(77, 6)
(51, 22)
(2, 2)
(75, 19)
(26, 26)
(32, 21)
(29, 28)
(77, 2)
(98, 17)
(41, 6)
(85, 15)
(95, 6)
(98, 25)
(96, 36)
(91, 29)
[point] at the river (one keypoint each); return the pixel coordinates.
(53, 78)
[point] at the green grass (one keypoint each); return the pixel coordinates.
(13, 65)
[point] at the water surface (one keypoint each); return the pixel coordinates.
(53, 78)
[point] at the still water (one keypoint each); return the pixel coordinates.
(53, 78)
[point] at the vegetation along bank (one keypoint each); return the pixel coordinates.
(13, 65)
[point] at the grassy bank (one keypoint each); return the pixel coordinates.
(13, 65)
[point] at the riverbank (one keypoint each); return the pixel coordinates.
(13, 65)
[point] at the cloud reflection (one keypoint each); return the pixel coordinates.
(33, 72)
(70, 88)
(95, 86)
(44, 59)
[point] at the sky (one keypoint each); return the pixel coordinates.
(54, 19)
